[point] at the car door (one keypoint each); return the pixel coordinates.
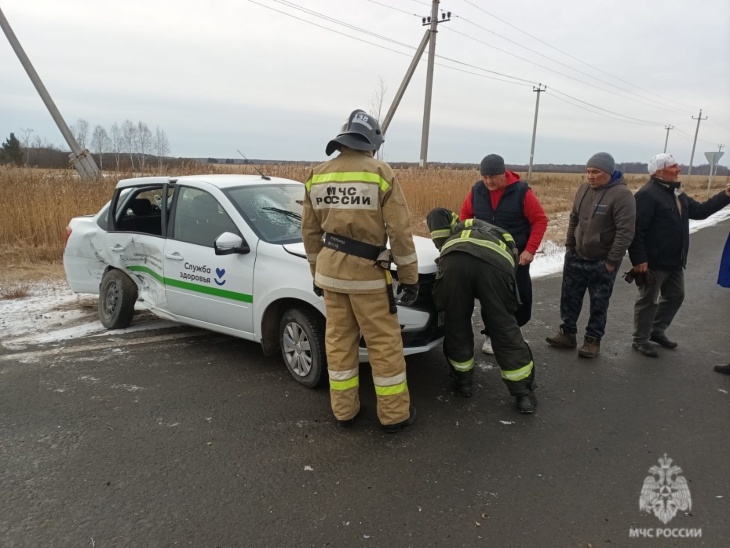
(210, 290)
(135, 239)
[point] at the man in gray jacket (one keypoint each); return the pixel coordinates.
(600, 231)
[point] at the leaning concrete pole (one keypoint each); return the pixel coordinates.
(82, 160)
(404, 84)
(666, 141)
(694, 145)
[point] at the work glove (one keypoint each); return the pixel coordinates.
(407, 294)
(317, 290)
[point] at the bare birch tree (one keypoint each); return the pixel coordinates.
(80, 132)
(144, 142)
(115, 142)
(25, 134)
(129, 140)
(100, 143)
(161, 145)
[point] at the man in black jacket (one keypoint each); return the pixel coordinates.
(661, 243)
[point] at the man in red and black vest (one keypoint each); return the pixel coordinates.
(502, 199)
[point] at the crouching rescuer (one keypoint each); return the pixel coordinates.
(353, 205)
(478, 261)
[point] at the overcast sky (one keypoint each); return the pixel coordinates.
(261, 77)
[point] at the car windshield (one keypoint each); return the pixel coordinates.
(273, 211)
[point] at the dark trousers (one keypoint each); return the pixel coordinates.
(580, 275)
(464, 278)
(652, 317)
(524, 286)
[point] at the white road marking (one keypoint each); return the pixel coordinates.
(101, 346)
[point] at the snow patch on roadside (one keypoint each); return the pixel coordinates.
(53, 313)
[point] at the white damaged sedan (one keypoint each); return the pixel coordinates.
(222, 252)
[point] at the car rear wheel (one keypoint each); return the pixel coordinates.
(301, 336)
(117, 295)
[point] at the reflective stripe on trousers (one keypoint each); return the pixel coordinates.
(467, 365)
(517, 374)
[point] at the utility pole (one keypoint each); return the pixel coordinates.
(694, 144)
(406, 80)
(539, 89)
(82, 161)
(429, 37)
(429, 82)
(667, 127)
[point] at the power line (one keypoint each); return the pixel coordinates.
(393, 8)
(645, 122)
(519, 81)
(653, 103)
(718, 129)
(509, 78)
(329, 29)
(594, 112)
(644, 102)
(692, 137)
(339, 22)
(484, 75)
(527, 82)
(572, 56)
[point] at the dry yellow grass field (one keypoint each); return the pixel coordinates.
(37, 205)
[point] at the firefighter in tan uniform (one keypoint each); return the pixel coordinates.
(353, 205)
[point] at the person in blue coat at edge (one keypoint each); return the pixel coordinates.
(723, 279)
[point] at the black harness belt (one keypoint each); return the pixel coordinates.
(352, 247)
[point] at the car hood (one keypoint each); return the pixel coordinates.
(426, 251)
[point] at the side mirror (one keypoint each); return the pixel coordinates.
(229, 243)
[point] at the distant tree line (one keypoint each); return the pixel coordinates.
(128, 146)
(625, 167)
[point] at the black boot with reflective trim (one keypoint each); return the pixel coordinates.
(527, 403)
(463, 382)
(397, 427)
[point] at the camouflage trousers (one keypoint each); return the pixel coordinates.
(580, 275)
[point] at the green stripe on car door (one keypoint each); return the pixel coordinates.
(208, 290)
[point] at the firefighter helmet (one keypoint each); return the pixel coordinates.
(360, 131)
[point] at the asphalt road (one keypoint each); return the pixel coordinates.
(166, 439)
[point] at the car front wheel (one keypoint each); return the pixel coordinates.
(117, 295)
(301, 336)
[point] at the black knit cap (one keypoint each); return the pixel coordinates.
(492, 164)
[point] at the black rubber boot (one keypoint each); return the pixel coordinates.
(397, 427)
(463, 382)
(527, 403)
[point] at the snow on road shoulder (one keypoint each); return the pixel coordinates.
(721, 215)
(549, 258)
(52, 313)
